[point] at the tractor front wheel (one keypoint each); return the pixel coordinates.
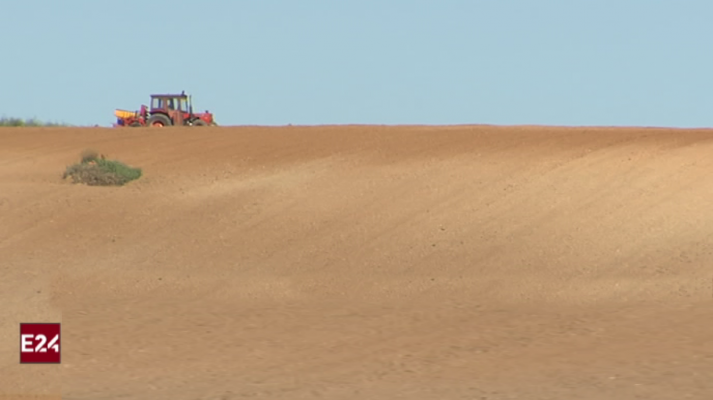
(159, 121)
(199, 122)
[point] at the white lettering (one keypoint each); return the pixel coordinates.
(40, 348)
(53, 344)
(26, 343)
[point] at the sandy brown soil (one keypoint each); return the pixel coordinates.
(363, 263)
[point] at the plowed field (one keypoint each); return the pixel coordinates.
(362, 262)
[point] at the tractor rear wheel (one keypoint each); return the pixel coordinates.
(159, 121)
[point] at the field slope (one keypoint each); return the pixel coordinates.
(363, 262)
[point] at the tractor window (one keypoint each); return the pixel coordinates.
(183, 105)
(157, 103)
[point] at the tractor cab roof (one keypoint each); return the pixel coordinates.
(172, 96)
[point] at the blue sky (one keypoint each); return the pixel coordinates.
(274, 62)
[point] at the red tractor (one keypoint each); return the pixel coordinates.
(165, 110)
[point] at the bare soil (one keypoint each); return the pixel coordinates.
(362, 262)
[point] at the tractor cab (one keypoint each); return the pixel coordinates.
(166, 103)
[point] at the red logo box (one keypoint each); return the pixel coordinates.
(39, 343)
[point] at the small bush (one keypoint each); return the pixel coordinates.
(33, 122)
(96, 170)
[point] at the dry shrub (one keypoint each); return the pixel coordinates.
(96, 170)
